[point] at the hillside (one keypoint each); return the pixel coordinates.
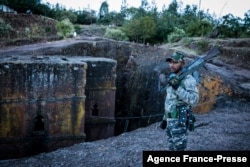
(27, 29)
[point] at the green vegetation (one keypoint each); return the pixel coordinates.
(65, 28)
(176, 35)
(145, 24)
(5, 29)
(140, 29)
(115, 34)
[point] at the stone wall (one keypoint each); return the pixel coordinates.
(100, 98)
(50, 102)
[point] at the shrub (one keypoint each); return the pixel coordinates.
(176, 35)
(115, 34)
(27, 32)
(5, 29)
(35, 30)
(197, 29)
(65, 28)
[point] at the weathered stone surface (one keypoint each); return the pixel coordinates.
(42, 103)
(100, 98)
(68, 96)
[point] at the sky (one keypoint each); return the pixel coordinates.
(218, 7)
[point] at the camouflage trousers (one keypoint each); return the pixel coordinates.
(176, 135)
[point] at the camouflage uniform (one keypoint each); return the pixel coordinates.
(185, 97)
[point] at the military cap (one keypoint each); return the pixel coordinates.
(176, 56)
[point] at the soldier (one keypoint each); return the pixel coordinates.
(180, 98)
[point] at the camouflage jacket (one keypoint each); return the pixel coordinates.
(186, 94)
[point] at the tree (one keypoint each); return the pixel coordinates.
(230, 26)
(124, 5)
(246, 25)
(132, 29)
(166, 22)
(21, 6)
(103, 13)
(140, 29)
(132, 13)
(115, 18)
(42, 9)
(163, 28)
(144, 5)
(153, 12)
(171, 14)
(173, 8)
(65, 14)
(86, 17)
(148, 28)
(198, 28)
(190, 13)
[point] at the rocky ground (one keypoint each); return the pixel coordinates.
(224, 128)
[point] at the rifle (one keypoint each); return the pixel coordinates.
(195, 65)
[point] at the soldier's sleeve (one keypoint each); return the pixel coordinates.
(189, 91)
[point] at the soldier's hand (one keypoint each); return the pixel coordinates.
(163, 124)
(174, 82)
